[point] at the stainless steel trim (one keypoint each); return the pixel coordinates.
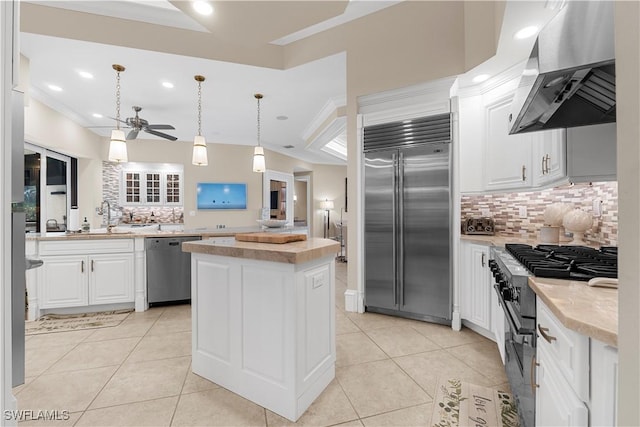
(401, 225)
(509, 316)
(394, 185)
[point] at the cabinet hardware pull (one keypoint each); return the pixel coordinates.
(524, 177)
(82, 267)
(547, 168)
(92, 266)
(533, 375)
(544, 160)
(483, 259)
(543, 332)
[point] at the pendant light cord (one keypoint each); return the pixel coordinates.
(199, 108)
(118, 100)
(258, 121)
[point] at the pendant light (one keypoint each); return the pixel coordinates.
(199, 144)
(258, 151)
(118, 144)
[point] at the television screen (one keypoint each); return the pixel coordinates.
(221, 195)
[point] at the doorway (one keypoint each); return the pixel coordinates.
(301, 200)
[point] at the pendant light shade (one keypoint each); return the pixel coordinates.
(118, 144)
(258, 159)
(199, 151)
(258, 151)
(199, 157)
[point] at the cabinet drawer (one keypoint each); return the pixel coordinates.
(568, 350)
(84, 247)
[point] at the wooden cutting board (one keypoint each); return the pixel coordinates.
(270, 237)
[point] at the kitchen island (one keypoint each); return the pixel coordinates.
(264, 319)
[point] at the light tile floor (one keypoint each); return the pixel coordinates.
(139, 373)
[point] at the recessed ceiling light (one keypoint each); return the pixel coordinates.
(203, 7)
(97, 116)
(85, 74)
(526, 32)
(480, 78)
(168, 85)
(282, 117)
(55, 88)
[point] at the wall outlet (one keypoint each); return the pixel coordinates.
(192, 213)
(597, 208)
(484, 212)
(522, 211)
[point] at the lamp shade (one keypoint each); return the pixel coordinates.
(326, 205)
(258, 160)
(199, 151)
(118, 146)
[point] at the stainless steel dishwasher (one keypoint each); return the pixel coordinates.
(168, 269)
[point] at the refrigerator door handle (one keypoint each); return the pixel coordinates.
(400, 192)
(394, 179)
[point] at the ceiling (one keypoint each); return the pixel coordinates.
(101, 35)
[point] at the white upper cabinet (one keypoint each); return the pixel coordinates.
(549, 156)
(491, 159)
(507, 157)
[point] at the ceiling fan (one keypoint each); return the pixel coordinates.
(137, 124)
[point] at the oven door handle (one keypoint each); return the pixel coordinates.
(507, 314)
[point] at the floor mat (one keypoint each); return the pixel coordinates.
(70, 322)
(459, 403)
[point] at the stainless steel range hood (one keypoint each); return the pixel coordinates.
(569, 79)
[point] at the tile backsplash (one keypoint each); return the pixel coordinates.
(111, 173)
(504, 208)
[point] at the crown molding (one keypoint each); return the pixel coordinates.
(330, 107)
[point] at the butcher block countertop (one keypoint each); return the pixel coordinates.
(289, 253)
(591, 311)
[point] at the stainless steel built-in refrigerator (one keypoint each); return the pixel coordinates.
(407, 218)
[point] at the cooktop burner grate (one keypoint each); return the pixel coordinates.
(567, 262)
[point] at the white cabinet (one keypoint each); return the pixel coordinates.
(556, 402)
(492, 160)
(475, 285)
(498, 320)
(508, 158)
(62, 281)
(75, 280)
(79, 273)
(549, 156)
(110, 278)
(576, 376)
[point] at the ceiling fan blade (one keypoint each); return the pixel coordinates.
(133, 134)
(160, 134)
(121, 121)
(159, 127)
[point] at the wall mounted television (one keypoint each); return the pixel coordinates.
(221, 195)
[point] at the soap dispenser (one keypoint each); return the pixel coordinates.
(85, 225)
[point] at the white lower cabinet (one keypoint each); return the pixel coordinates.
(75, 280)
(84, 273)
(556, 402)
(475, 285)
(576, 376)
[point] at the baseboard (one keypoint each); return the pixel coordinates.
(480, 330)
(456, 321)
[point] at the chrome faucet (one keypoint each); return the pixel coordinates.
(108, 213)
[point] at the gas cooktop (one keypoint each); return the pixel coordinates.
(567, 262)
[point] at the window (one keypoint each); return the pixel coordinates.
(151, 184)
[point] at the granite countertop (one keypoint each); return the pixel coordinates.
(589, 310)
(502, 239)
(290, 253)
(130, 233)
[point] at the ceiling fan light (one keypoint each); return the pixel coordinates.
(258, 160)
(199, 151)
(117, 147)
